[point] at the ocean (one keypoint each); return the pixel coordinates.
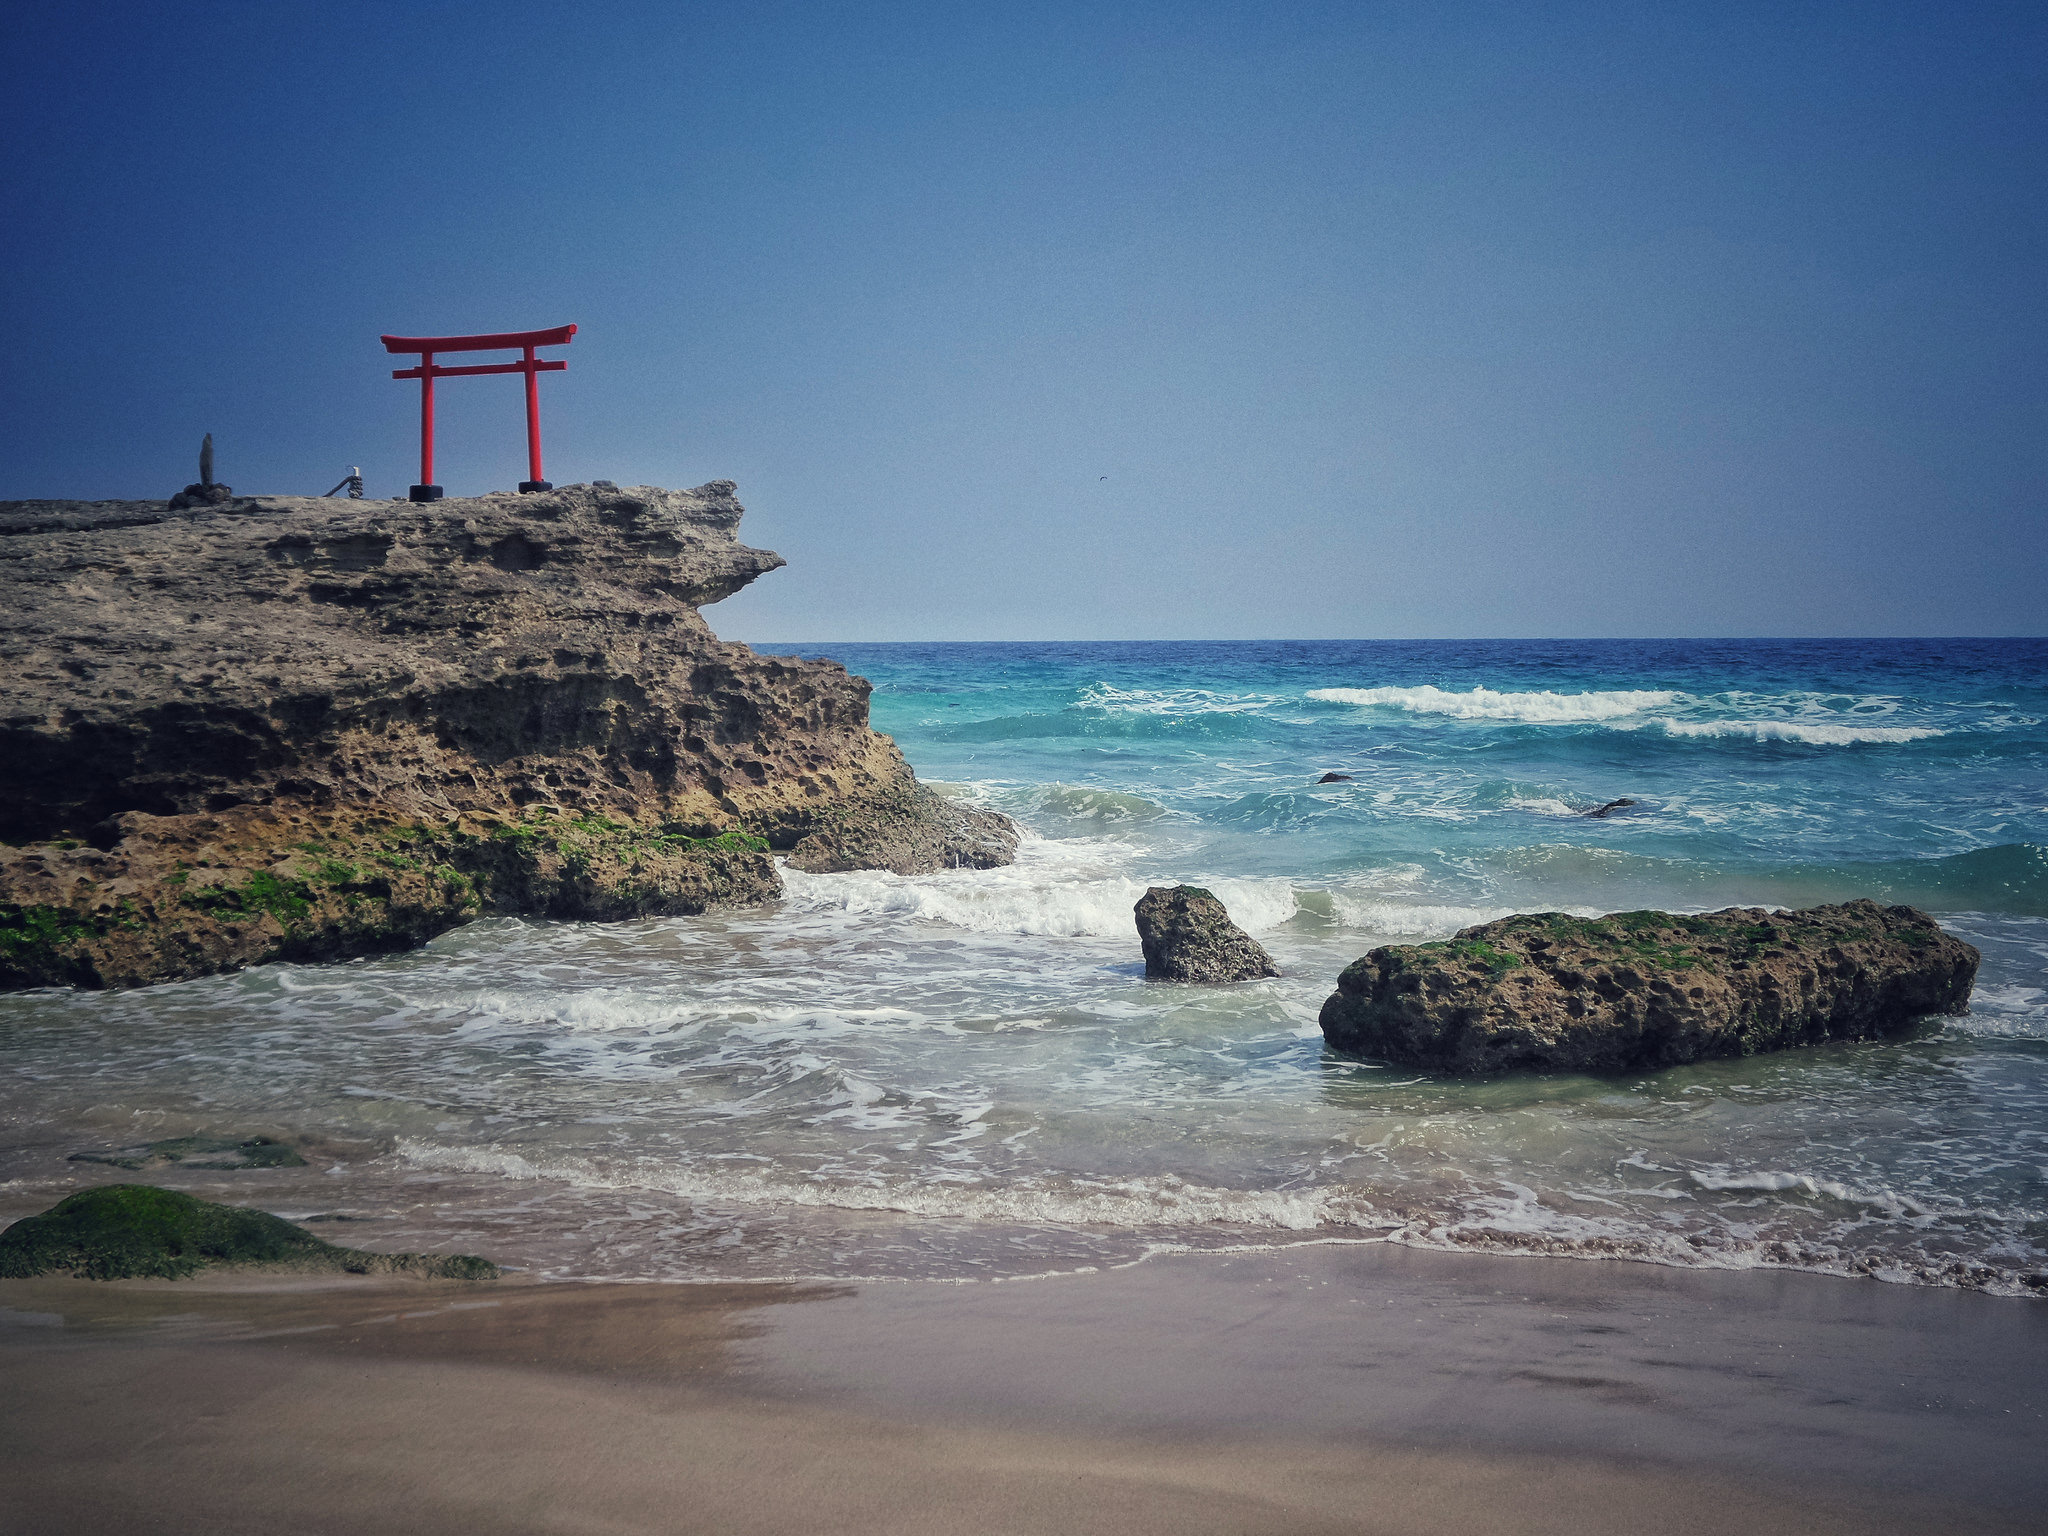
(966, 1075)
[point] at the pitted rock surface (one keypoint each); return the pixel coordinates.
(1187, 935)
(302, 727)
(1642, 990)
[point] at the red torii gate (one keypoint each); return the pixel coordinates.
(428, 371)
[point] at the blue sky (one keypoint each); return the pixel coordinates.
(1092, 321)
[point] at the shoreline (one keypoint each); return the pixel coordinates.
(463, 1211)
(1362, 1387)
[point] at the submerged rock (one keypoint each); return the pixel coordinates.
(1641, 990)
(290, 728)
(1188, 936)
(209, 1152)
(132, 1231)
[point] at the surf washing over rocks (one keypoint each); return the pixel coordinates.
(964, 1073)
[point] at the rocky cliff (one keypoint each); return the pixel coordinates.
(290, 727)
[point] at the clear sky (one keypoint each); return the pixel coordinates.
(1092, 320)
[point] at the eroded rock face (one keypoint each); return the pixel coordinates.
(908, 829)
(293, 727)
(1187, 935)
(1641, 990)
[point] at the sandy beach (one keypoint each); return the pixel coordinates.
(1323, 1388)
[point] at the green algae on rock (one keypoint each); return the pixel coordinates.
(138, 1231)
(1636, 991)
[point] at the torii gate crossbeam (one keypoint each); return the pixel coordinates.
(428, 371)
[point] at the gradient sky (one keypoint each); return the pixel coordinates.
(1092, 320)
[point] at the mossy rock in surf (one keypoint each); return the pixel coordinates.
(1640, 991)
(137, 1231)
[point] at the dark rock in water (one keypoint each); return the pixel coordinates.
(1609, 808)
(289, 728)
(209, 1152)
(202, 494)
(1335, 778)
(1188, 936)
(1641, 990)
(128, 1231)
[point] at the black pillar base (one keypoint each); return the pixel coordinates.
(536, 485)
(426, 493)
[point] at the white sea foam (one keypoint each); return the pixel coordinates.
(596, 1009)
(1153, 1201)
(1380, 914)
(612, 1011)
(1814, 732)
(1775, 1181)
(1052, 893)
(1172, 701)
(1542, 805)
(1544, 708)
(2008, 1010)
(1626, 710)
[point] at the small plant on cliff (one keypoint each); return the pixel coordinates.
(288, 900)
(572, 834)
(30, 928)
(732, 840)
(36, 937)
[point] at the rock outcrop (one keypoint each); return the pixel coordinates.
(298, 728)
(1187, 935)
(202, 493)
(1642, 990)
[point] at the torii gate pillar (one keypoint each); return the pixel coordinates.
(428, 371)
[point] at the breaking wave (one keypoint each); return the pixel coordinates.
(1813, 733)
(1172, 701)
(1163, 1200)
(1422, 919)
(1073, 802)
(1051, 890)
(1889, 1202)
(1810, 719)
(1543, 708)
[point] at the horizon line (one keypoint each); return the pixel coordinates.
(1427, 640)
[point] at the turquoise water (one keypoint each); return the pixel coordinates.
(1781, 771)
(966, 1074)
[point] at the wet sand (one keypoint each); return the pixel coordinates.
(1329, 1388)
